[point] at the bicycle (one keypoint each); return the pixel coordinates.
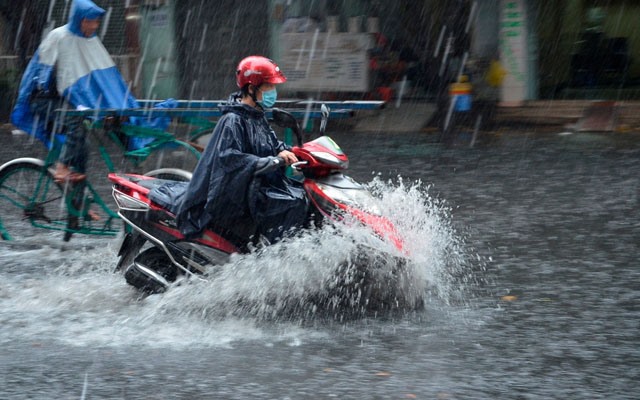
(32, 202)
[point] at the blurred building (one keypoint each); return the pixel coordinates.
(360, 48)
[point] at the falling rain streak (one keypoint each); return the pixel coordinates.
(104, 24)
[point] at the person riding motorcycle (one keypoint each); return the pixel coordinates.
(223, 191)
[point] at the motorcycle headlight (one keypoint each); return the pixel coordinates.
(358, 198)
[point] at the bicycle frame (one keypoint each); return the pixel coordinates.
(78, 198)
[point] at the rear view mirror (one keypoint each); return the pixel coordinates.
(285, 119)
(325, 117)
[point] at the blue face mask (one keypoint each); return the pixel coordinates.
(269, 98)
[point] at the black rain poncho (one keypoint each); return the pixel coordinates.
(223, 190)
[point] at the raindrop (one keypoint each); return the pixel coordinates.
(471, 16)
(301, 53)
(313, 50)
(19, 32)
(439, 44)
(105, 23)
(126, 95)
(52, 4)
(326, 44)
(445, 57)
(462, 64)
(154, 78)
(403, 84)
(66, 10)
(235, 24)
(136, 80)
(186, 23)
(476, 128)
(307, 112)
(450, 111)
(203, 38)
(97, 106)
(194, 84)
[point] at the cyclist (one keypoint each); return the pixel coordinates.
(70, 69)
(223, 190)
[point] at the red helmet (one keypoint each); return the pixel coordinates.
(257, 70)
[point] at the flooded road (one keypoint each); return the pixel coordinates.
(525, 252)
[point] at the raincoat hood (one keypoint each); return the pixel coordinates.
(80, 10)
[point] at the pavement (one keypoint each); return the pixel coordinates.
(613, 119)
(395, 117)
(574, 115)
(563, 115)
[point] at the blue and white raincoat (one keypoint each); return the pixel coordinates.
(80, 68)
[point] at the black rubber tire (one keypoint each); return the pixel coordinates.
(28, 196)
(156, 260)
(172, 174)
(129, 250)
(171, 157)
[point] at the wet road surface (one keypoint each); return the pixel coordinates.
(529, 242)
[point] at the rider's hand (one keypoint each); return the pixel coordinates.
(288, 157)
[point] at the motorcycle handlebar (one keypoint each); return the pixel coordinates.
(297, 165)
(268, 165)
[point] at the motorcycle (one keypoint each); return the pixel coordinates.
(154, 254)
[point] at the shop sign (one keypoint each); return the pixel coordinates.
(326, 61)
(514, 50)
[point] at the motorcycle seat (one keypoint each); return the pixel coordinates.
(169, 195)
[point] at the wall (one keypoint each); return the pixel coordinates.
(622, 20)
(560, 26)
(555, 47)
(484, 42)
(158, 44)
(211, 40)
(515, 22)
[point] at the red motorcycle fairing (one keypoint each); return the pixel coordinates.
(322, 155)
(336, 209)
(208, 238)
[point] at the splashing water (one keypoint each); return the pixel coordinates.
(338, 271)
(436, 251)
(80, 301)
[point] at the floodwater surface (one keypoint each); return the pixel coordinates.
(523, 262)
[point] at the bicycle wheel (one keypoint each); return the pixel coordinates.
(32, 205)
(172, 155)
(172, 174)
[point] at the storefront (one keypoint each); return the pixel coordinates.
(365, 46)
(589, 49)
(568, 49)
(347, 47)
